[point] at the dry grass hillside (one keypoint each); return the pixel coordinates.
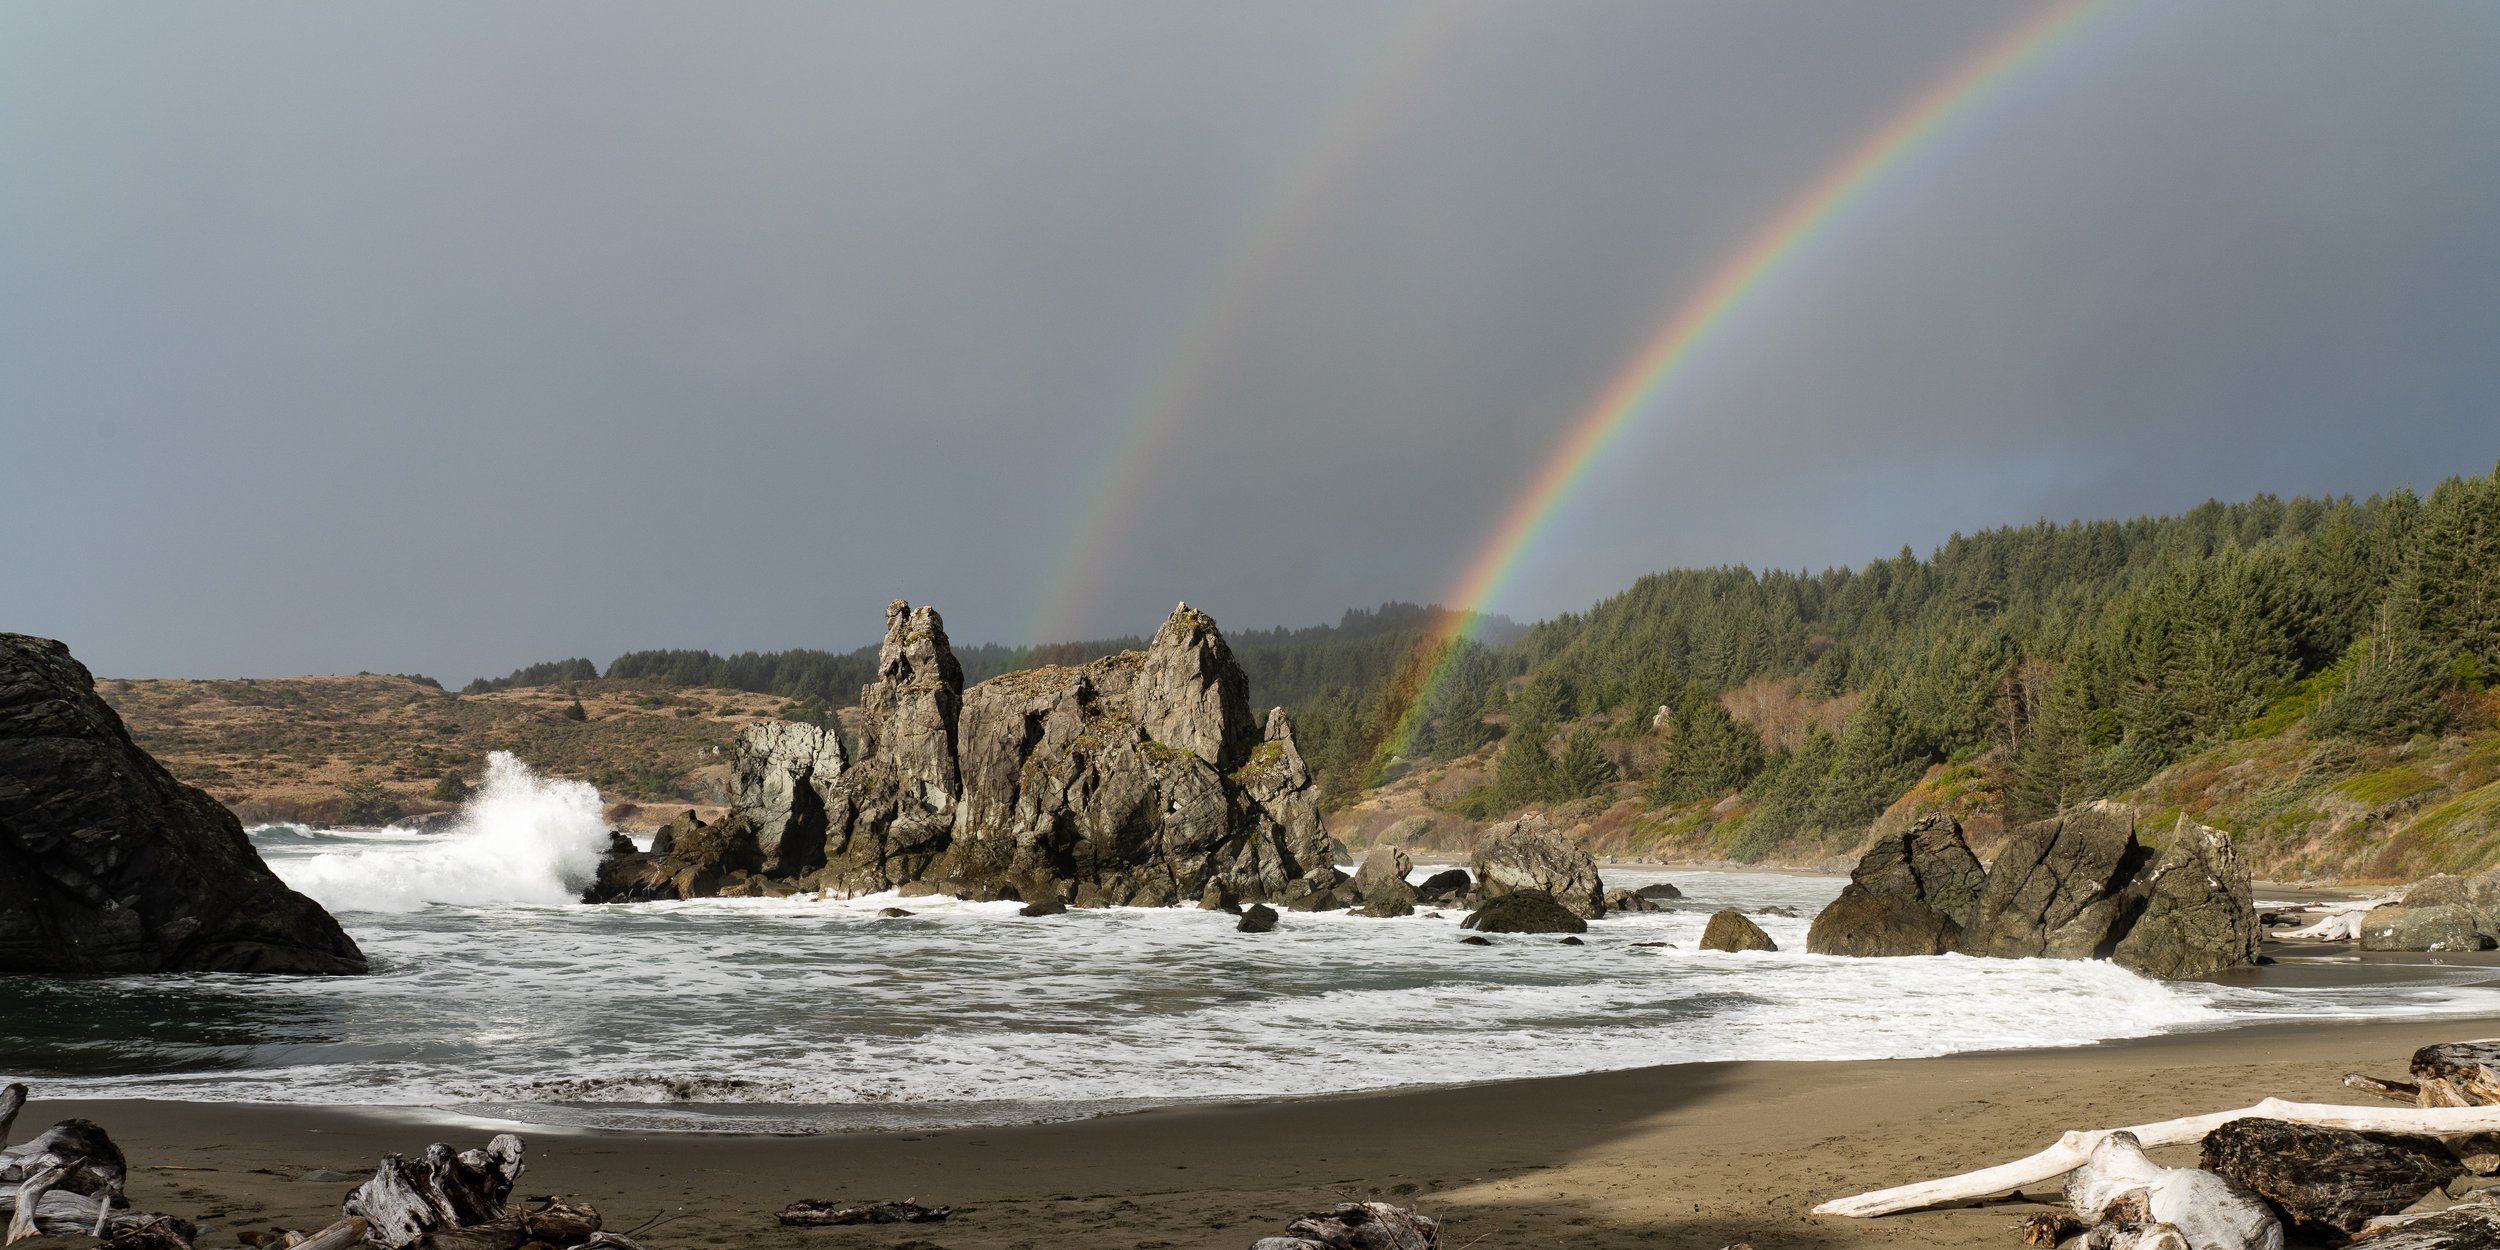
(350, 750)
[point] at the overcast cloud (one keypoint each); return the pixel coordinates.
(450, 337)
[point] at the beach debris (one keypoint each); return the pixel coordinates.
(2074, 1149)
(2329, 1182)
(1358, 1226)
(2152, 1205)
(1525, 911)
(404, 1201)
(1730, 930)
(2339, 922)
(67, 1179)
(820, 1212)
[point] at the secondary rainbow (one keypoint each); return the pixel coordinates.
(1229, 296)
(1638, 387)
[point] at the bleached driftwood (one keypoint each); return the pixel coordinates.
(2339, 922)
(12, 1100)
(2075, 1148)
(339, 1236)
(405, 1201)
(2141, 1202)
(59, 1213)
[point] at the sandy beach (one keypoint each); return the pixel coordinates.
(1690, 1156)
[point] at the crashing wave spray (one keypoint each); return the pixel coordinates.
(522, 839)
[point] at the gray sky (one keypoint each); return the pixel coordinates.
(448, 337)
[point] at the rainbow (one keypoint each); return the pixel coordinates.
(1229, 296)
(1637, 388)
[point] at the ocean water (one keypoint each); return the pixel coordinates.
(495, 994)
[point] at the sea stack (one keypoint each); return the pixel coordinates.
(110, 866)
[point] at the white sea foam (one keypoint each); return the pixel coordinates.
(522, 839)
(817, 1013)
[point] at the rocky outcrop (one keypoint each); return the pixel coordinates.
(2199, 914)
(1911, 894)
(1622, 900)
(1530, 854)
(108, 865)
(1732, 930)
(2058, 887)
(1137, 779)
(1524, 911)
(2079, 886)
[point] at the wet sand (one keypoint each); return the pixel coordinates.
(1690, 1156)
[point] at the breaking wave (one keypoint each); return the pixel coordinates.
(522, 839)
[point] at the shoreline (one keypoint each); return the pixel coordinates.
(1698, 1154)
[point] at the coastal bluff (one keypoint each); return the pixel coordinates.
(1139, 779)
(110, 866)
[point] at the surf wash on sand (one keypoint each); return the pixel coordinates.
(494, 990)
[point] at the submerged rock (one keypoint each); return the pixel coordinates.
(1257, 918)
(1910, 894)
(1627, 901)
(109, 866)
(1732, 930)
(1529, 854)
(1527, 911)
(1659, 891)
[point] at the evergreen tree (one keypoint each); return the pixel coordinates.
(1583, 770)
(1708, 751)
(1526, 773)
(1871, 764)
(2053, 765)
(2391, 688)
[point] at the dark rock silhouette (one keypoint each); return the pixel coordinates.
(109, 865)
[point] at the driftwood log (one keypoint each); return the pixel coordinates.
(405, 1201)
(818, 1213)
(2339, 922)
(2129, 1200)
(2075, 1148)
(67, 1179)
(1357, 1226)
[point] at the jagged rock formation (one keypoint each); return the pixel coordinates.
(2057, 887)
(1138, 779)
(1530, 854)
(109, 865)
(2077, 886)
(2199, 910)
(1911, 894)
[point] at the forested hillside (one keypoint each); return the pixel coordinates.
(2011, 672)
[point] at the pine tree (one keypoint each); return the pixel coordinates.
(2053, 764)
(1708, 751)
(1526, 773)
(2391, 687)
(1871, 766)
(1583, 770)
